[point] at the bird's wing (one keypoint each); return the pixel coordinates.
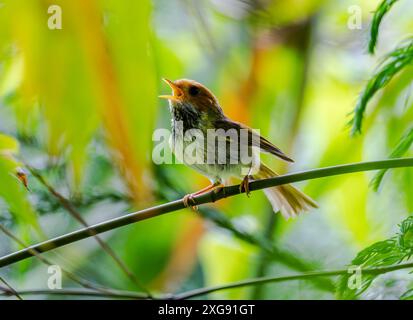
(253, 138)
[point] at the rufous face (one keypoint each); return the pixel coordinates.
(191, 92)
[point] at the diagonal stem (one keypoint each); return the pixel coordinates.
(84, 283)
(264, 257)
(202, 199)
(76, 215)
(8, 289)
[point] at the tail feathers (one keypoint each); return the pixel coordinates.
(287, 199)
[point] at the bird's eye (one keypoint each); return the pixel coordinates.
(193, 90)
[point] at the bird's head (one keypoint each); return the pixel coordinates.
(191, 94)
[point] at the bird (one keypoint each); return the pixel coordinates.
(195, 108)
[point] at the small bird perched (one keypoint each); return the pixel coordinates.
(193, 106)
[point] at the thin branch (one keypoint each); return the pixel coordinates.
(9, 289)
(76, 215)
(304, 276)
(84, 283)
(119, 294)
(202, 199)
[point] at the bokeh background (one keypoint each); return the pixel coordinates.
(80, 105)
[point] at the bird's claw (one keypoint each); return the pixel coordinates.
(190, 198)
(245, 186)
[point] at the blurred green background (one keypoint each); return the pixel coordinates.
(80, 105)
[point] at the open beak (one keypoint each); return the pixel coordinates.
(177, 92)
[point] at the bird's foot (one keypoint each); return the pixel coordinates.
(189, 202)
(245, 185)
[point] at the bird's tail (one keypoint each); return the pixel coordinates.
(285, 198)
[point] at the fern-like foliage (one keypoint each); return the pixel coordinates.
(395, 61)
(381, 10)
(384, 253)
(408, 295)
(402, 147)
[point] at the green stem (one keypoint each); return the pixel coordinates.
(9, 289)
(202, 291)
(85, 283)
(119, 294)
(202, 199)
(263, 280)
(264, 257)
(69, 207)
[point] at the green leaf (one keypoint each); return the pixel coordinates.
(12, 191)
(381, 10)
(383, 253)
(402, 147)
(408, 295)
(405, 238)
(391, 65)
